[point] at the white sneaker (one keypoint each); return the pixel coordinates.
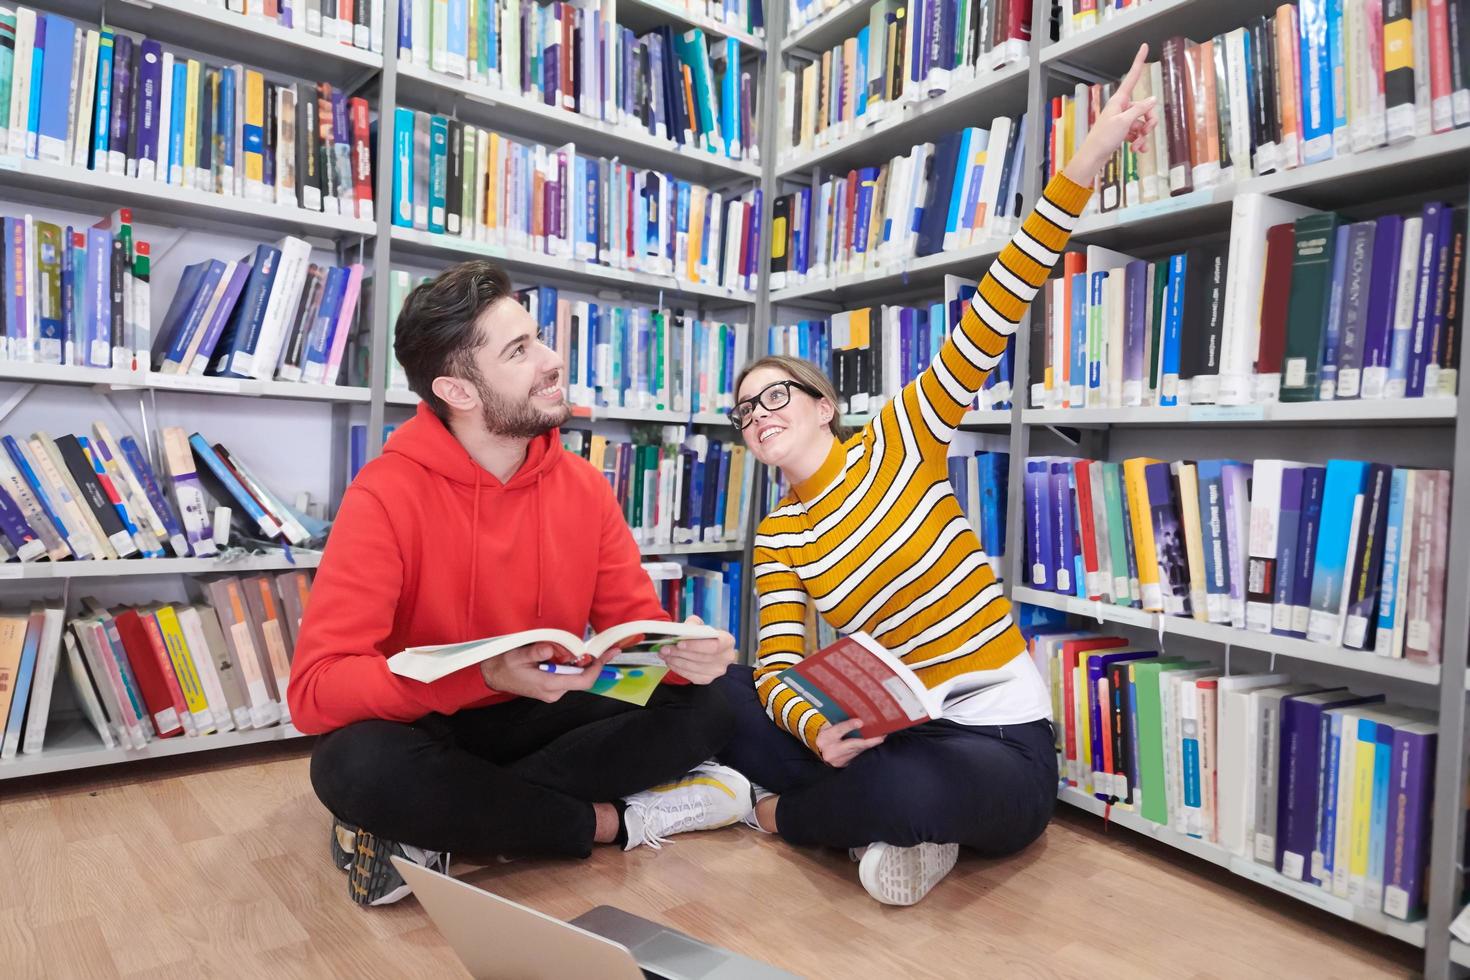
(711, 796)
(904, 875)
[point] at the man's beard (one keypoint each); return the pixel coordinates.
(516, 419)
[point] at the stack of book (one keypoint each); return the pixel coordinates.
(1301, 306)
(96, 497)
(871, 353)
(1350, 554)
(1078, 16)
(960, 192)
(218, 663)
(1311, 82)
(933, 36)
(476, 185)
(676, 489)
(707, 587)
(867, 77)
(105, 101)
(576, 57)
(1323, 784)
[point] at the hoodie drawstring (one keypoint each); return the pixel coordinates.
(540, 546)
(469, 607)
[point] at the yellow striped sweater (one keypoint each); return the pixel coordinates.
(875, 537)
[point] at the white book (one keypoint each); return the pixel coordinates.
(1264, 530)
(1423, 103)
(280, 307)
(20, 81)
(97, 651)
(48, 658)
(198, 651)
(999, 139)
(1234, 755)
(78, 57)
(81, 141)
(1251, 215)
(27, 350)
(89, 693)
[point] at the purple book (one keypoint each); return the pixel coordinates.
(1038, 540)
(1313, 480)
(1135, 285)
(1097, 669)
(150, 88)
(13, 524)
(1410, 793)
(755, 238)
(1168, 539)
(1434, 333)
(1436, 229)
(1288, 557)
(221, 314)
(1063, 530)
(97, 299)
(1300, 764)
(1366, 563)
(122, 78)
(1388, 240)
(15, 300)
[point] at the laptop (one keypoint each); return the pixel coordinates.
(495, 937)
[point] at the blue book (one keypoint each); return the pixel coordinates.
(242, 332)
(456, 38)
(1077, 365)
(38, 70)
(54, 97)
(171, 341)
(1287, 557)
(1313, 480)
(1096, 330)
(1327, 365)
(38, 490)
(1382, 748)
(1341, 499)
(146, 544)
(1404, 334)
(1210, 478)
(225, 130)
(403, 167)
(1316, 81)
(1330, 752)
(438, 172)
(23, 675)
(1173, 326)
(97, 306)
(102, 118)
(1429, 305)
(154, 492)
(1395, 557)
(1063, 533)
(319, 340)
(1097, 669)
(178, 99)
(1338, 66)
(236, 491)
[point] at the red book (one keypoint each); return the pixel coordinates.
(362, 158)
(156, 682)
(1275, 297)
(1441, 114)
(1088, 528)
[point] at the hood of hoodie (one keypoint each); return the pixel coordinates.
(428, 442)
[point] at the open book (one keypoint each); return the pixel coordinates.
(857, 678)
(429, 663)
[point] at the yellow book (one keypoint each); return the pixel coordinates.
(735, 498)
(597, 452)
(1365, 733)
(1143, 532)
(254, 148)
(1082, 707)
(12, 642)
(1194, 544)
(183, 664)
(696, 233)
(191, 125)
(492, 187)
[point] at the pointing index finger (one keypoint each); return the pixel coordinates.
(1125, 87)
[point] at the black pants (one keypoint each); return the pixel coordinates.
(517, 778)
(990, 788)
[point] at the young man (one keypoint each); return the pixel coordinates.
(473, 523)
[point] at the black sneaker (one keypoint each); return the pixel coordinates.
(372, 879)
(344, 842)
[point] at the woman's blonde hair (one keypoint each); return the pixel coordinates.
(807, 374)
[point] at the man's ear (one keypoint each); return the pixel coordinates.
(457, 393)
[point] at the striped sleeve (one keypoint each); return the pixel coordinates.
(936, 401)
(783, 604)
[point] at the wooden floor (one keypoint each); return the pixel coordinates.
(220, 868)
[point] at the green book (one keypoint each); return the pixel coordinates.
(1306, 311)
(1117, 539)
(1149, 725)
(469, 154)
(1156, 322)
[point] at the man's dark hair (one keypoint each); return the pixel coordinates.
(436, 332)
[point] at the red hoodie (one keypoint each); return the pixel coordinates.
(428, 547)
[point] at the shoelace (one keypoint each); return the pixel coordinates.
(690, 810)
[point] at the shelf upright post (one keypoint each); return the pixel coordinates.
(1445, 855)
(382, 270)
(770, 85)
(1020, 440)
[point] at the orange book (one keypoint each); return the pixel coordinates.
(1288, 85)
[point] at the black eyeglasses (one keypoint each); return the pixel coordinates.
(773, 396)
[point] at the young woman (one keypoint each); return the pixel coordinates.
(872, 534)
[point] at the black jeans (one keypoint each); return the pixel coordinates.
(991, 788)
(516, 778)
